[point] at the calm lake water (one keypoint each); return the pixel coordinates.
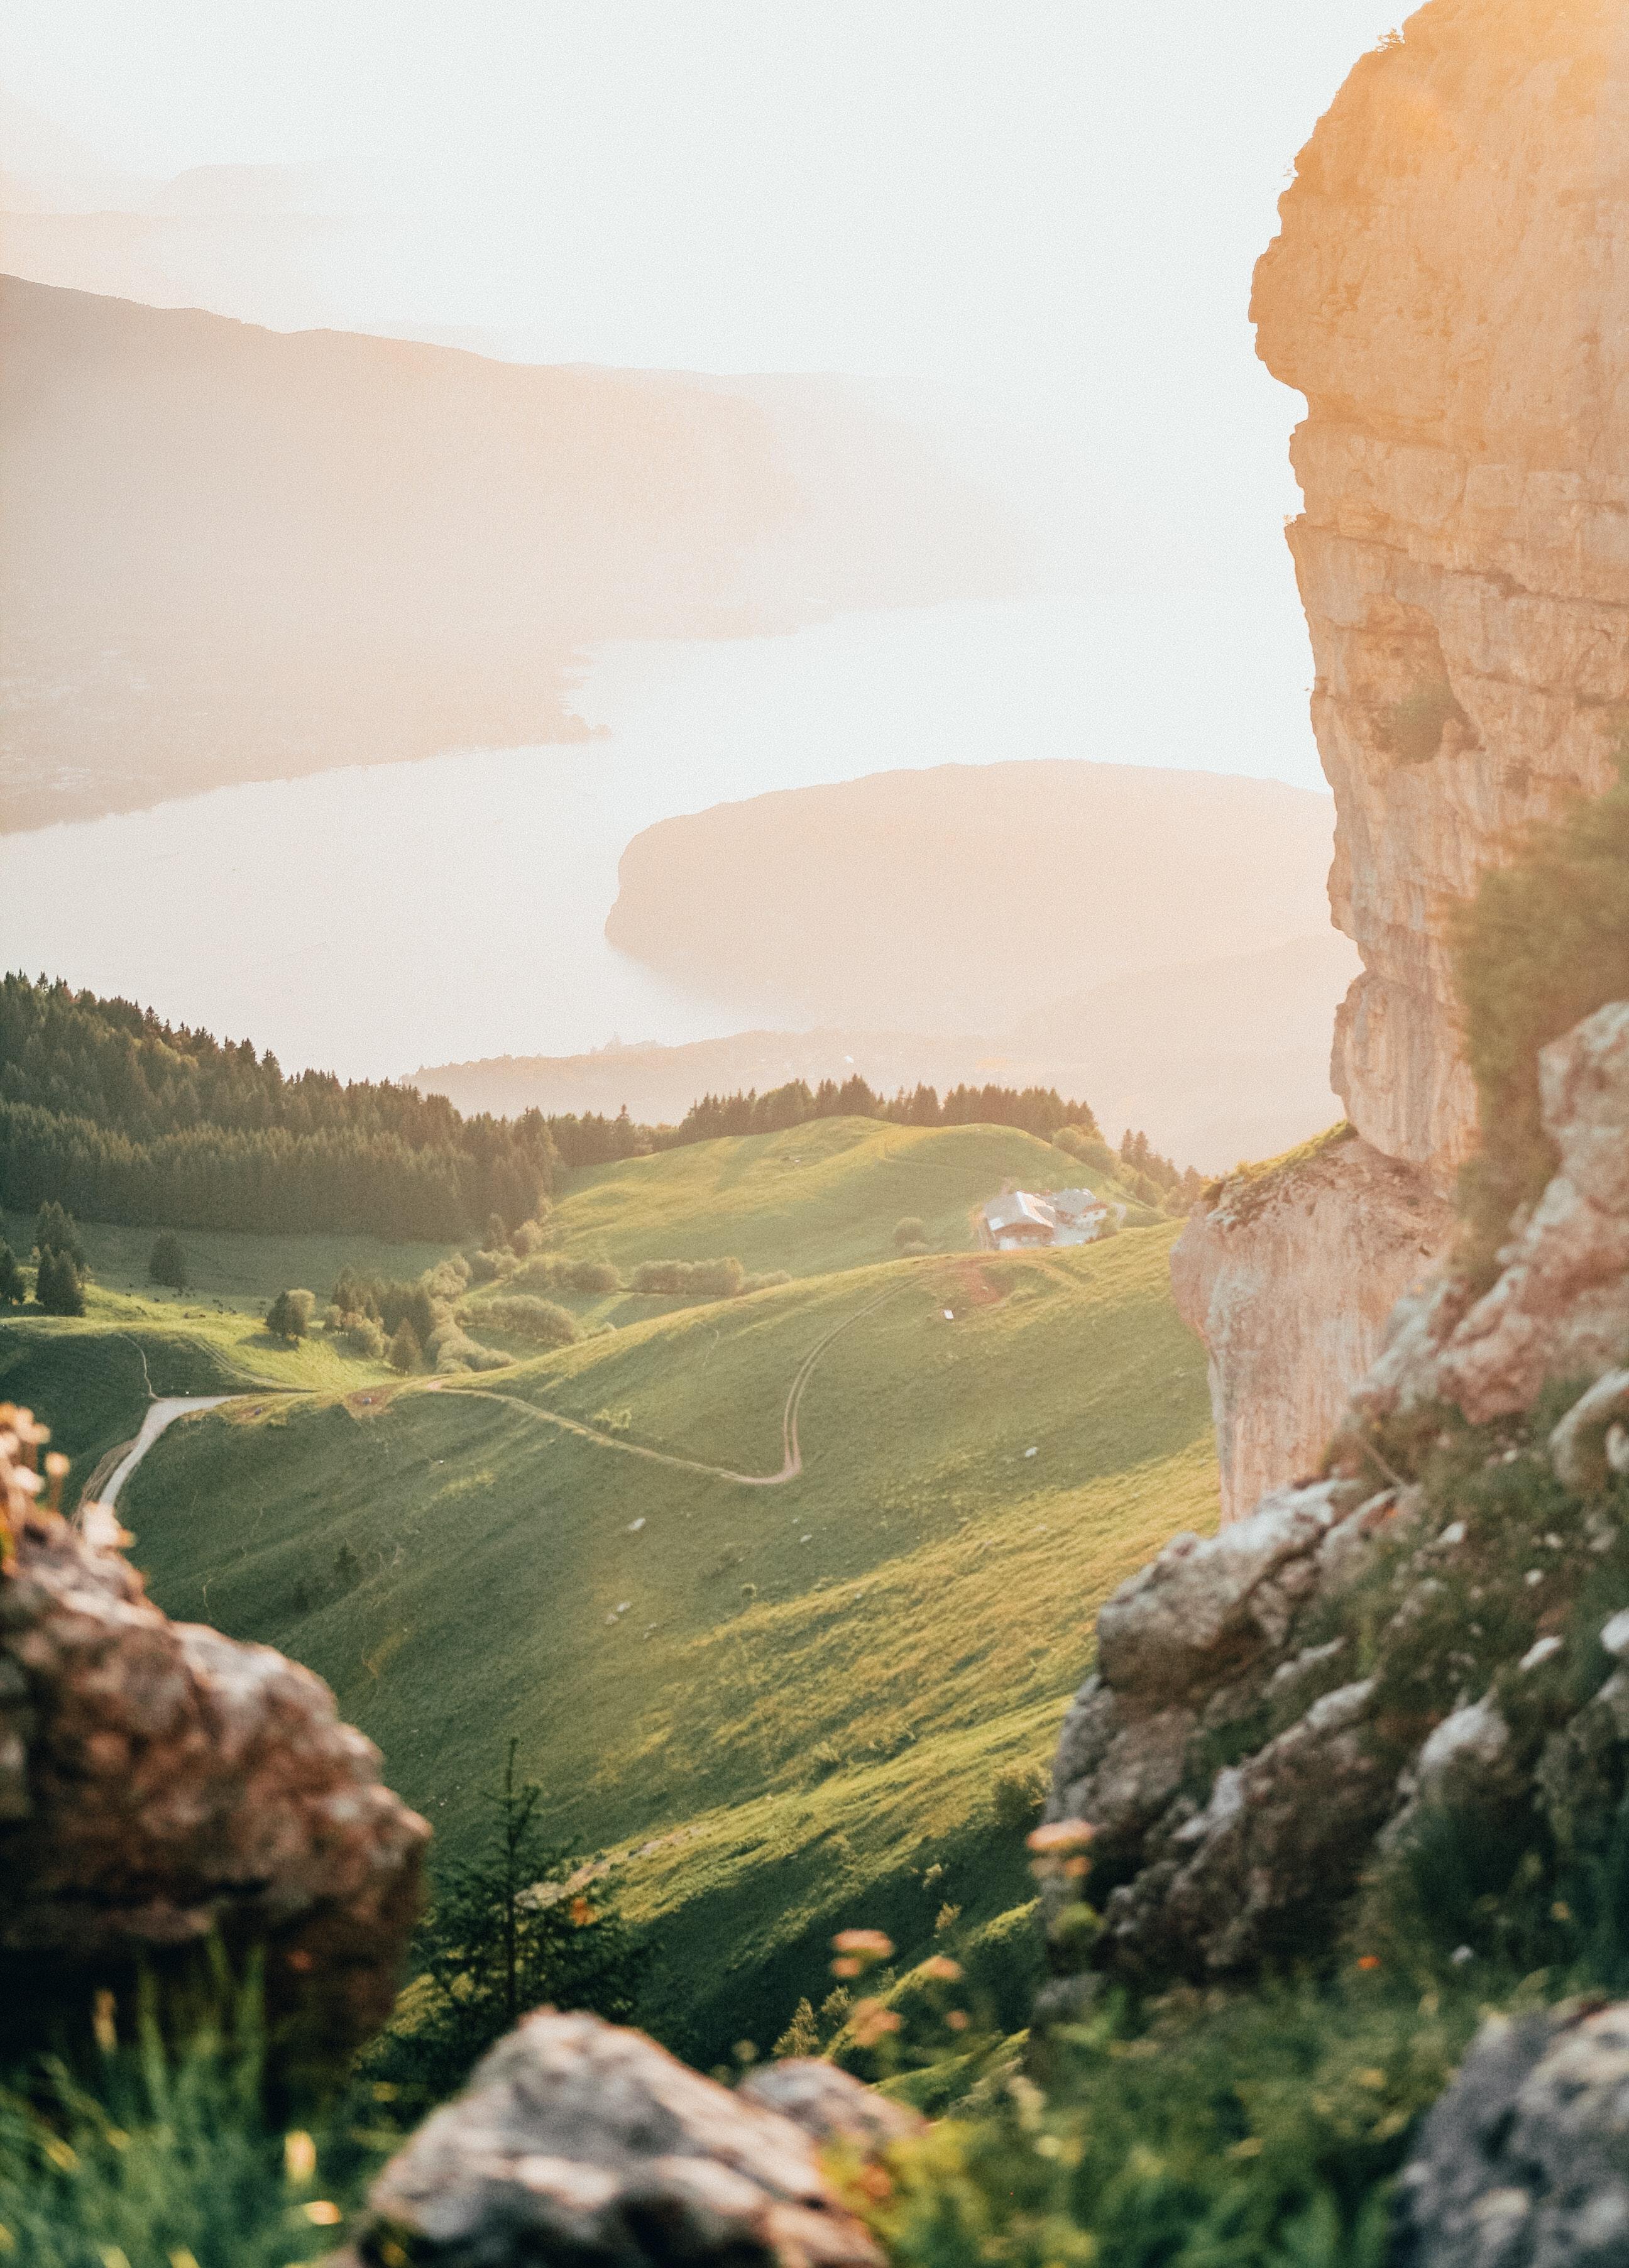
(374, 919)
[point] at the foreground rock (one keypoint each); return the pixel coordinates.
(1524, 2163)
(578, 2141)
(1289, 1274)
(160, 1785)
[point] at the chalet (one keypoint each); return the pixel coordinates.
(1020, 1221)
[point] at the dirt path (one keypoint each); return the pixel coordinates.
(792, 1457)
(116, 1467)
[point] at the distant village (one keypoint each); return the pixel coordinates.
(1020, 1221)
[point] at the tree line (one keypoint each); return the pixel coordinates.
(118, 1117)
(594, 1139)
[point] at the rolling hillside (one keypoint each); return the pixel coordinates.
(824, 1195)
(789, 1700)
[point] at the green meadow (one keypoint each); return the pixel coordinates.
(799, 1694)
(773, 1706)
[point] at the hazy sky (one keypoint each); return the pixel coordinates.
(1053, 205)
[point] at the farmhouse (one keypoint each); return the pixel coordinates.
(1019, 1221)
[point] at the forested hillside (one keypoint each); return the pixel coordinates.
(120, 1117)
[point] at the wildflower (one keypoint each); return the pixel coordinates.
(940, 1965)
(1369, 1961)
(1060, 1836)
(871, 2022)
(103, 2009)
(869, 1943)
(845, 1965)
(299, 2157)
(323, 2212)
(581, 1913)
(956, 2018)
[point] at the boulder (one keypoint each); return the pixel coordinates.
(1525, 2162)
(578, 2141)
(832, 2106)
(161, 1785)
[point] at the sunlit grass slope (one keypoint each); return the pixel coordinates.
(817, 1197)
(814, 1682)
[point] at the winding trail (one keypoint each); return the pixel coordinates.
(116, 1467)
(792, 1458)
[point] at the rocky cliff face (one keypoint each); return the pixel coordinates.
(1450, 291)
(1289, 1276)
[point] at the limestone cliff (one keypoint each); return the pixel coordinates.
(1289, 1274)
(1450, 291)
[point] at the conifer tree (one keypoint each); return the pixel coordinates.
(507, 1933)
(13, 1287)
(57, 1287)
(166, 1263)
(54, 1232)
(405, 1353)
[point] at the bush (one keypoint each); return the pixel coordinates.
(166, 1262)
(910, 1233)
(1543, 943)
(289, 1315)
(363, 1335)
(489, 1267)
(552, 1272)
(450, 1348)
(766, 1283)
(691, 1280)
(540, 1320)
(1086, 1148)
(1017, 1797)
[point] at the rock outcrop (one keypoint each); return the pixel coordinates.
(1450, 292)
(1524, 2163)
(1278, 1705)
(161, 1785)
(1559, 1308)
(576, 2140)
(1289, 1274)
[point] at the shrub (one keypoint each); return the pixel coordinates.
(541, 1321)
(1088, 1148)
(489, 1267)
(166, 1262)
(910, 1233)
(765, 1283)
(363, 1335)
(1017, 1797)
(694, 1279)
(1543, 943)
(1411, 729)
(529, 1238)
(450, 1348)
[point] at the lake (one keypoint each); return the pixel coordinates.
(372, 919)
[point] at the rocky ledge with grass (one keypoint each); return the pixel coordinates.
(1423, 1642)
(164, 1790)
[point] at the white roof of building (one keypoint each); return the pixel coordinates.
(1020, 1209)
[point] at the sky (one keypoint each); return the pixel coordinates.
(1040, 214)
(1030, 224)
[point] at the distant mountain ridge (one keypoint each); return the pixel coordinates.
(229, 553)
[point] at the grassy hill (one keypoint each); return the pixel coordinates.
(817, 1197)
(789, 1701)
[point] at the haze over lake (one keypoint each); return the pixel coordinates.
(372, 919)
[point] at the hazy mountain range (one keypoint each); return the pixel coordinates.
(231, 552)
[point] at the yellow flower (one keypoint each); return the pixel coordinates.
(299, 2157)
